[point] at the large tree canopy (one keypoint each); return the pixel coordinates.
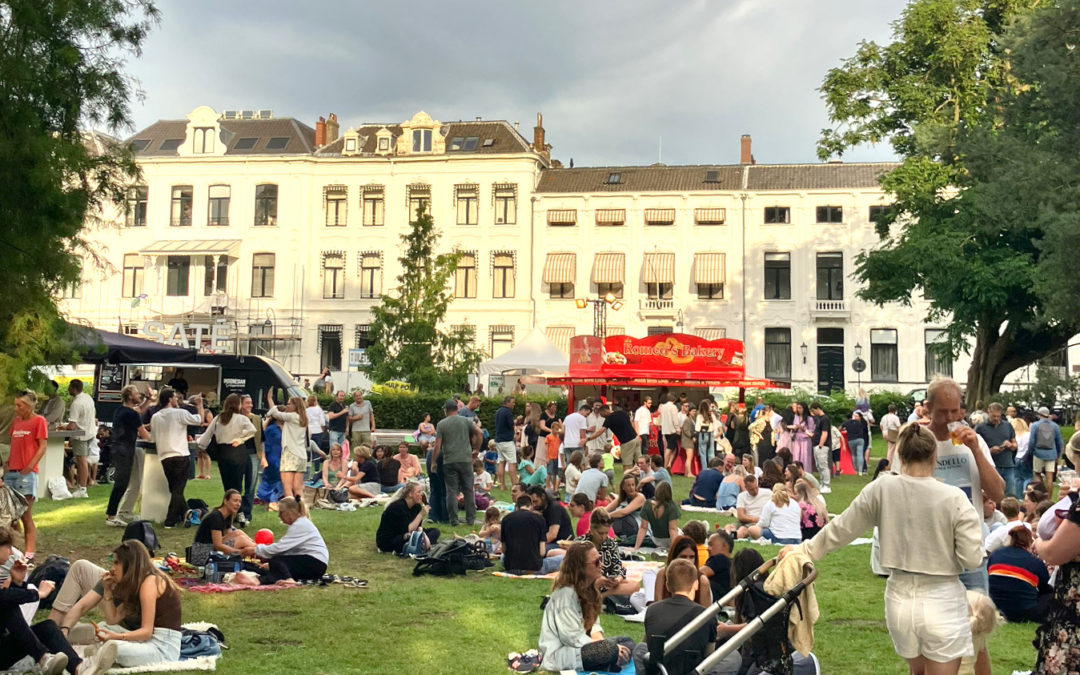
(971, 224)
(408, 339)
(61, 72)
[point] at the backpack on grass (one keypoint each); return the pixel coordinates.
(452, 556)
(142, 531)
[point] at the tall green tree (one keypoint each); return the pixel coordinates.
(962, 233)
(61, 72)
(409, 339)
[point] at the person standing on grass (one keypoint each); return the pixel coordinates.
(361, 420)
(168, 428)
(669, 429)
(924, 564)
(821, 442)
(623, 429)
(337, 419)
(455, 439)
(504, 443)
(126, 429)
(890, 430)
(230, 430)
(29, 436)
(81, 415)
(256, 456)
(1001, 438)
(294, 450)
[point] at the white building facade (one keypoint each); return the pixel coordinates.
(285, 236)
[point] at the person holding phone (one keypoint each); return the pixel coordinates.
(44, 642)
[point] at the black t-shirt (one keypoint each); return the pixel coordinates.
(336, 423)
(555, 514)
(707, 483)
(370, 471)
(521, 534)
(720, 581)
(669, 616)
(822, 429)
(213, 521)
(546, 420)
(388, 472)
(619, 423)
(394, 524)
(125, 430)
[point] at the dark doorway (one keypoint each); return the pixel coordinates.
(830, 360)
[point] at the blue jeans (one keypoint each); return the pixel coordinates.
(1009, 474)
(437, 498)
(857, 446)
(977, 580)
(337, 437)
(548, 565)
(766, 533)
(706, 444)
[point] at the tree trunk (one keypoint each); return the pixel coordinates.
(999, 351)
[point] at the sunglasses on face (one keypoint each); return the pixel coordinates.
(595, 563)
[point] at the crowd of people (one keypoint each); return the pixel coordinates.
(979, 487)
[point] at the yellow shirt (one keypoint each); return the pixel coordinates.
(702, 555)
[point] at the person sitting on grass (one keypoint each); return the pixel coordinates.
(363, 479)
(706, 485)
(524, 534)
(814, 515)
(216, 531)
(593, 482)
(530, 474)
(1019, 582)
(334, 469)
(136, 593)
(665, 618)
(402, 516)
(556, 519)
(491, 530)
(574, 467)
(717, 568)
(685, 548)
(601, 536)
(581, 507)
(481, 483)
(389, 472)
(43, 642)
(410, 464)
(625, 509)
(659, 519)
(748, 506)
(299, 555)
(571, 637)
(780, 521)
(695, 529)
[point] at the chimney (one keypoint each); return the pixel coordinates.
(320, 132)
(517, 126)
(745, 156)
(331, 128)
(538, 136)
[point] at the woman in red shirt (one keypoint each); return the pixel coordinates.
(29, 434)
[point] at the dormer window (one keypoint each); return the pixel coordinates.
(204, 141)
(614, 178)
(421, 140)
(384, 144)
(350, 145)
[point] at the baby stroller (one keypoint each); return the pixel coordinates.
(766, 628)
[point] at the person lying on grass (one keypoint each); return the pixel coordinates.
(299, 555)
(216, 531)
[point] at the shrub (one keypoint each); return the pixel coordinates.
(404, 409)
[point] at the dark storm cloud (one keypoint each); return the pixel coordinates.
(611, 77)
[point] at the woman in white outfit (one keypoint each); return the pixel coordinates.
(294, 442)
(929, 533)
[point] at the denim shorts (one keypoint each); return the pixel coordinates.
(766, 533)
(25, 485)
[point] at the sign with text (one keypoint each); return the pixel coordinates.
(668, 356)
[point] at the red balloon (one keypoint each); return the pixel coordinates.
(264, 536)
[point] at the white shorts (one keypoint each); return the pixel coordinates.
(507, 452)
(928, 616)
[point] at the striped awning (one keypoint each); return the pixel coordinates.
(659, 268)
(708, 216)
(560, 337)
(562, 216)
(229, 247)
(709, 268)
(710, 333)
(610, 216)
(560, 268)
(659, 216)
(609, 268)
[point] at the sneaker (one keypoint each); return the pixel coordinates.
(115, 522)
(83, 634)
(80, 494)
(102, 661)
(825, 489)
(52, 664)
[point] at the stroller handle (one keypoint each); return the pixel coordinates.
(714, 609)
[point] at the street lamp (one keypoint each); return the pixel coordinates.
(803, 348)
(600, 307)
(858, 365)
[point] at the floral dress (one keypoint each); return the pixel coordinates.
(1058, 639)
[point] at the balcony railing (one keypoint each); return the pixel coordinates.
(657, 304)
(831, 306)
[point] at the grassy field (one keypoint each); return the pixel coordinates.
(402, 624)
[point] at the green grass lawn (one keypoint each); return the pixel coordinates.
(402, 624)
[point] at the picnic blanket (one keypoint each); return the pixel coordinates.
(200, 663)
(703, 509)
(199, 586)
(634, 571)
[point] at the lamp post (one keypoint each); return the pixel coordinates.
(858, 365)
(600, 307)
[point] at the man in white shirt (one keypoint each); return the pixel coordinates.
(669, 428)
(81, 416)
(890, 429)
(574, 431)
(748, 506)
(595, 420)
(642, 421)
(593, 481)
(168, 430)
(684, 412)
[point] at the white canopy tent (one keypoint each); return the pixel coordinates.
(535, 353)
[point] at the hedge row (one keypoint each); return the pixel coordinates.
(838, 406)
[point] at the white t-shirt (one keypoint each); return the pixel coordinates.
(572, 476)
(595, 421)
(642, 419)
(316, 420)
(754, 505)
(1022, 445)
(956, 466)
(590, 483)
(573, 425)
(82, 413)
(168, 429)
(758, 471)
(783, 521)
(669, 418)
(482, 481)
(890, 422)
(776, 419)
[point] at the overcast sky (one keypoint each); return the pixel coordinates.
(611, 77)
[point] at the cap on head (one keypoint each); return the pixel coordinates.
(450, 404)
(1043, 412)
